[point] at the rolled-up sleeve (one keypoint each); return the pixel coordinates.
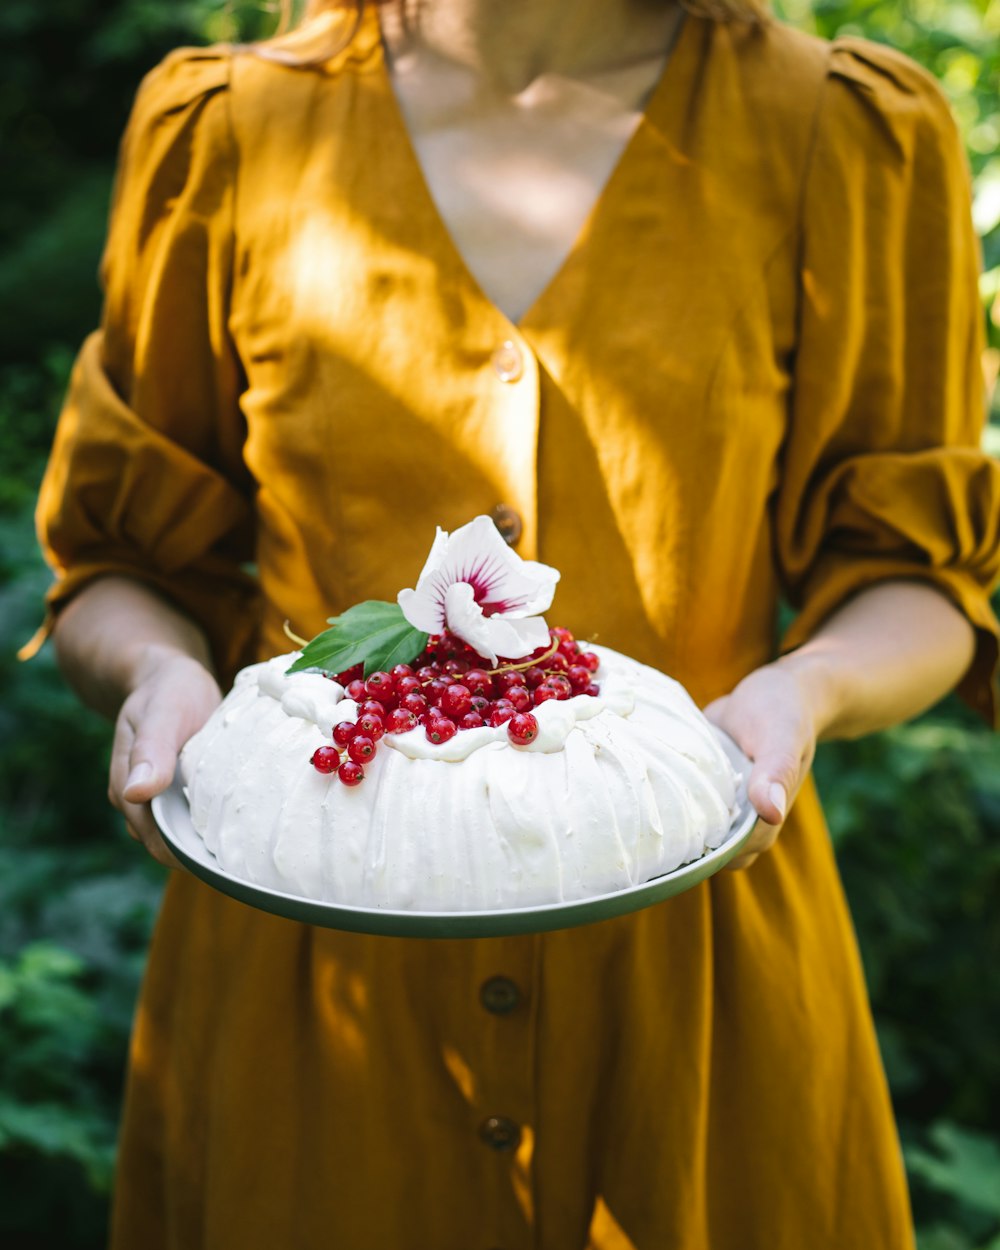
(883, 476)
(146, 477)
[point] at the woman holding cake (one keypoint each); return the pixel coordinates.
(688, 301)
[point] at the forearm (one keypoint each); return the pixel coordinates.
(891, 652)
(113, 632)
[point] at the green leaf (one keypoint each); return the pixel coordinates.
(373, 633)
(60, 1131)
(967, 1166)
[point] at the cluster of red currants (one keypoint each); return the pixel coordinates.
(449, 687)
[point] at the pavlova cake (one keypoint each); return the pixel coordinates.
(450, 752)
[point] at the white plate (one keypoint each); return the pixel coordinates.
(171, 812)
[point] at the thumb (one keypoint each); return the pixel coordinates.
(151, 770)
(773, 779)
(152, 760)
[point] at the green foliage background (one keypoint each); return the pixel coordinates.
(915, 813)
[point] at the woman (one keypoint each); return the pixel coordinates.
(691, 304)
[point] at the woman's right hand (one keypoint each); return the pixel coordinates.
(172, 697)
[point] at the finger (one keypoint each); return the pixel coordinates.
(153, 757)
(774, 779)
(142, 828)
(121, 752)
(142, 765)
(140, 823)
(762, 839)
(741, 862)
(139, 820)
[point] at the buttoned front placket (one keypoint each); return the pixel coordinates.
(434, 396)
(501, 1005)
(502, 1002)
(511, 390)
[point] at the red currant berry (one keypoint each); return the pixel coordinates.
(557, 662)
(519, 696)
(561, 685)
(590, 660)
(401, 670)
(427, 673)
(478, 681)
(351, 773)
(503, 681)
(407, 684)
(370, 726)
(480, 704)
(379, 684)
(561, 634)
(456, 701)
(361, 748)
(440, 729)
(354, 673)
(471, 720)
(522, 729)
(415, 703)
(579, 677)
(400, 721)
(534, 677)
(325, 759)
(456, 667)
(501, 713)
(593, 690)
(372, 707)
(434, 690)
(344, 732)
(542, 693)
(356, 690)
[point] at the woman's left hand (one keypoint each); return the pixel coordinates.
(770, 717)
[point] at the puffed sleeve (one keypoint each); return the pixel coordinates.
(883, 476)
(146, 477)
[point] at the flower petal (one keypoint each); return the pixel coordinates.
(424, 612)
(491, 636)
(544, 578)
(502, 583)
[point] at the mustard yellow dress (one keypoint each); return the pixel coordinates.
(756, 372)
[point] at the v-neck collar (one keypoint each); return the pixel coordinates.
(659, 103)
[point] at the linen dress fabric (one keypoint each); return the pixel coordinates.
(756, 372)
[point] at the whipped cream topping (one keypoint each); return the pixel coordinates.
(614, 790)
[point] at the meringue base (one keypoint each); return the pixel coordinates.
(616, 791)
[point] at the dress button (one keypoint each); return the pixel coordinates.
(508, 523)
(499, 995)
(500, 1133)
(507, 362)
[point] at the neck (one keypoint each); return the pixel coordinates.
(510, 44)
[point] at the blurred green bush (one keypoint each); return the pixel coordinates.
(915, 813)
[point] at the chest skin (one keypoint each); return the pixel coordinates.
(515, 175)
